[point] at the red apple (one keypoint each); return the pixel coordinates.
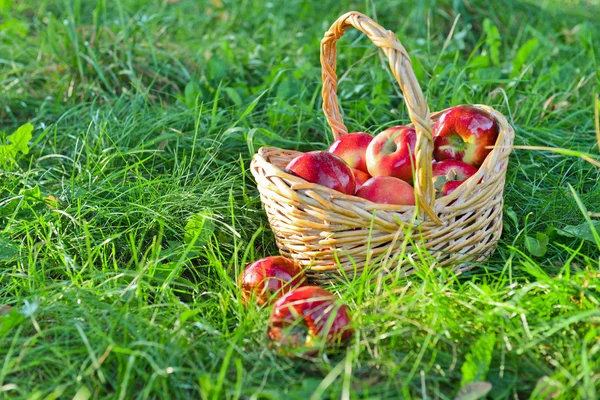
(306, 317)
(450, 174)
(392, 153)
(360, 177)
(325, 169)
(352, 148)
(387, 190)
(269, 278)
(462, 133)
(450, 187)
(288, 171)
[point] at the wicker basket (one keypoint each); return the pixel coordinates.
(331, 233)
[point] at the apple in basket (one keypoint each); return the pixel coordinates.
(360, 177)
(325, 169)
(463, 133)
(352, 148)
(306, 318)
(392, 153)
(387, 190)
(269, 278)
(450, 174)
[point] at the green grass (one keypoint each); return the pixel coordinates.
(147, 114)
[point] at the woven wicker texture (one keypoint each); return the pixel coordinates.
(324, 229)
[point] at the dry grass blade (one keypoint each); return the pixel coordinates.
(562, 151)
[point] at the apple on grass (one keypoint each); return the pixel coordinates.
(360, 177)
(450, 174)
(325, 169)
(307, 318)
(392, 153)
(387, 190)
(269, 278)
(352, 148)
(462, 133)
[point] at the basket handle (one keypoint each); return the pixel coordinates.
(401, 67)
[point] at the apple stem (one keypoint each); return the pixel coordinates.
(452, 174)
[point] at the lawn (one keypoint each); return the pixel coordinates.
(128, 214)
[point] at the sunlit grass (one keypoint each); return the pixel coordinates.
(146, 116)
